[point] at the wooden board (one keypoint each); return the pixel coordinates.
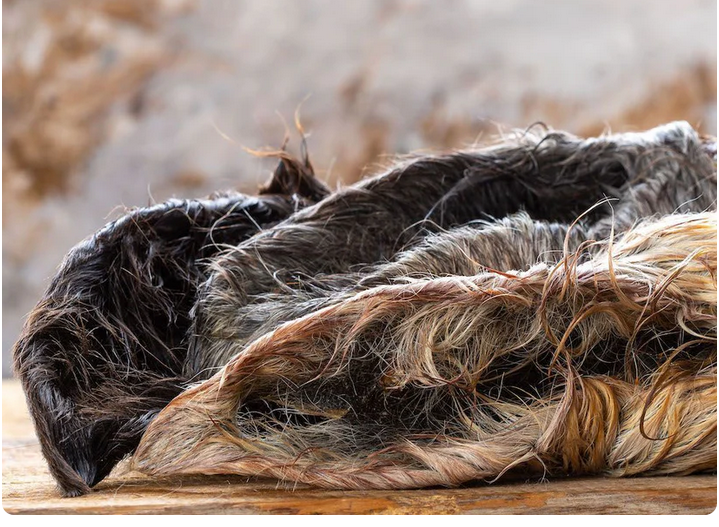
(28, 488)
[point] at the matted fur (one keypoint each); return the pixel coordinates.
(426, 382)
(128, 323)
(673, 171)
(103, 350)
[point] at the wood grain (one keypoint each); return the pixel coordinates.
(28, 488)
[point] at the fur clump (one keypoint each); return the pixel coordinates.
(601, 363)
(609, 183)
(522, 306)
(103, 351)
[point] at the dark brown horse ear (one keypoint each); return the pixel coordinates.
(295, 177)
(104, 349)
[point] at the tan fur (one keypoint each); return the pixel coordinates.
(644, 302)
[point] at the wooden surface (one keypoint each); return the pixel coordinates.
(28, 488)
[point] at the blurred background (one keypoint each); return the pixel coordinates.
(114, 103)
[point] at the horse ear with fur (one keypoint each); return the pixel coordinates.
(104, 349)
(455, 317)
(446, 379)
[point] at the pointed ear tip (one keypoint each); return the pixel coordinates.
(75, 490)
(70, 482)
(280, 168)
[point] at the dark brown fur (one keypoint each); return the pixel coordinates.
(556, 177)
(103, 351)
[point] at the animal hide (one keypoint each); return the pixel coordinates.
(547, 304)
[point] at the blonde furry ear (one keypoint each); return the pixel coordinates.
(600, 363)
